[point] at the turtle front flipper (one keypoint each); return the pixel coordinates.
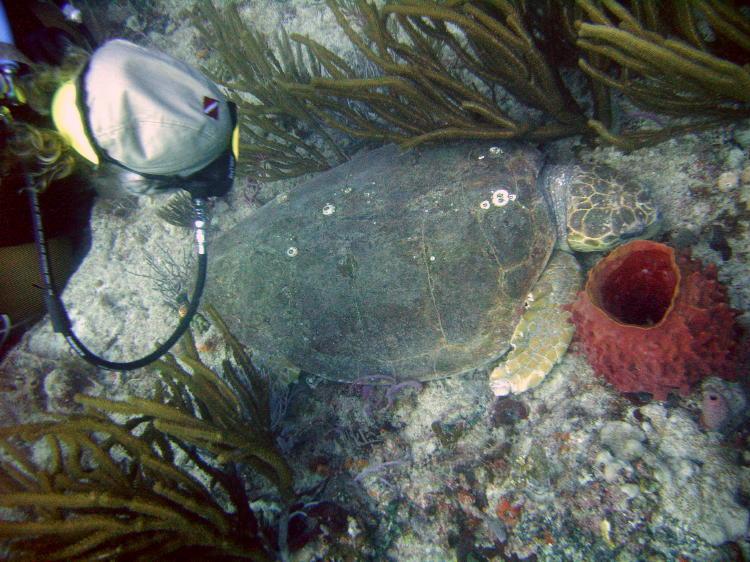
(543, 334)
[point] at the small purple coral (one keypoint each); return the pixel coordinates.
(723, 405)
(714, 410)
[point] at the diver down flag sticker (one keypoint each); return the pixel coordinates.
(211, 107)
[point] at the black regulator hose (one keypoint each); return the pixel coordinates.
(59, 317)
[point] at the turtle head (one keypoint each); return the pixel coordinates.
(604, 210)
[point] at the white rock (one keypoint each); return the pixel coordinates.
(624, 440)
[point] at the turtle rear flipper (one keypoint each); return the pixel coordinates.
(543, 334)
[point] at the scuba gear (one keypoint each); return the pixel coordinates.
(8, 89)
(155, 116)
(9, 59)
(61, 321)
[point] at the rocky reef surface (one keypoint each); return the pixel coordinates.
(571, 470)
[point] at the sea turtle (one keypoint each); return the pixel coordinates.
(422, 264)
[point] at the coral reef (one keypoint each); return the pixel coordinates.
(581, 474)
(143, 479)
(648, 322)
(491, 70)
(668, 455)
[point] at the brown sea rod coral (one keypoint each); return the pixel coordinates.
(500, 69)
(143, 479)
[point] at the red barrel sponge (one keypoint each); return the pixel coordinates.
(650, 322)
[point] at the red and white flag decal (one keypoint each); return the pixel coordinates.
(211, 107)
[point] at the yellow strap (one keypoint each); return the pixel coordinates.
(69, 121)
(236, 142)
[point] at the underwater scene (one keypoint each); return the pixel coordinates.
(375, 280)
